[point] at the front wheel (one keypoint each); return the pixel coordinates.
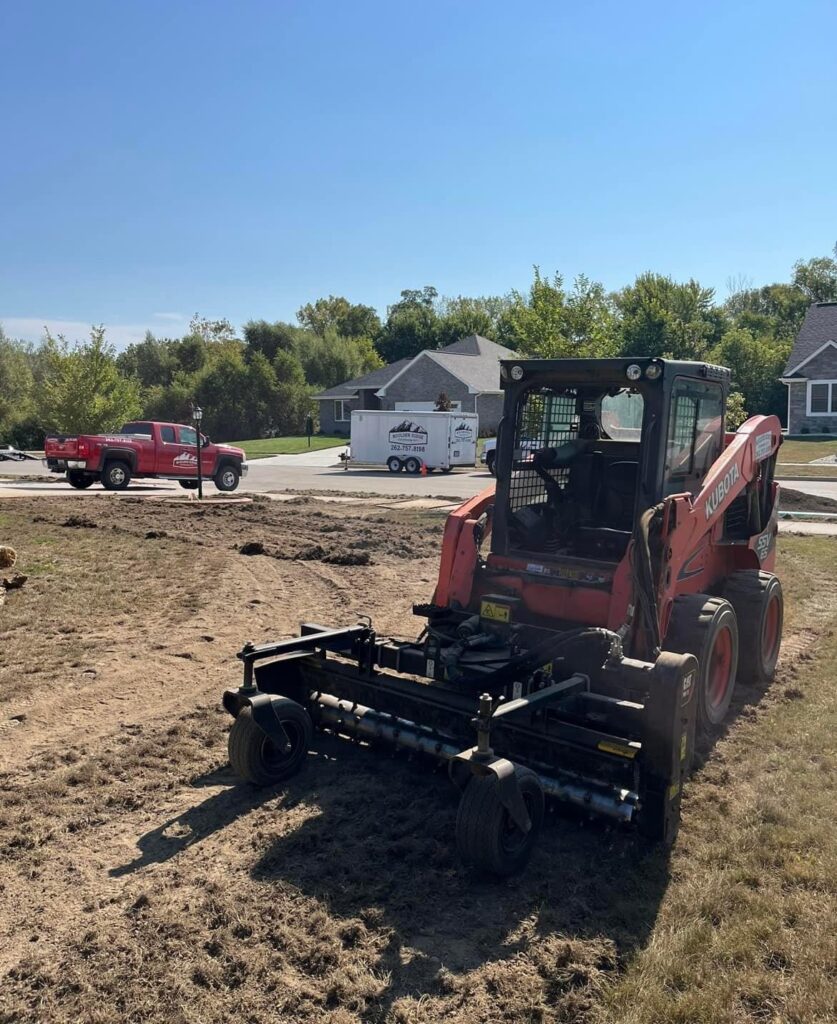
(394, 464)
(486, 836)
(227, 477)
(253, 755)
(79, 479)
(489, 463)
(707, 627)
(116, 476)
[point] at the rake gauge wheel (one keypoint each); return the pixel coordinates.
(253, 755)
(486, 836)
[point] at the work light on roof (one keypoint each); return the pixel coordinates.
(633, 372)
(517, 373)
(653, 371)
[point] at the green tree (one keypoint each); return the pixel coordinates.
(16, 387)
(774, 309)
(267, 338)
(817, 278)
(756, 363)
(736, 410)
(151, 361)
(662, 317)
(535, 323)
(460, 317)
(82, 389)
(337, 314)
(412, 325)
(330, 359)
(293, 396)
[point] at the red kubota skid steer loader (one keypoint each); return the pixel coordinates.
(590, 614)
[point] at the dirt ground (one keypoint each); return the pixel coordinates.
(140, 883)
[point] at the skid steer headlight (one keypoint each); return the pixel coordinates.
(517, 373)
(633, 372)
(653, 371)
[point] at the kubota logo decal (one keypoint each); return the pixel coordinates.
(721, 491)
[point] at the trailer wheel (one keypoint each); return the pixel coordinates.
(79, 479)
(255, 758)
(116, 475)
(394, 464)
(707, 627)
(759, 606)
(412, 465)
(486, 837)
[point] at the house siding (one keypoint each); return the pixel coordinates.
(821, 367)
(426, 380)
(328, 424)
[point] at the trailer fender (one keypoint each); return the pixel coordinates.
(264, 712)
(472, 762)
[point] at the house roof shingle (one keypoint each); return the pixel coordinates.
(474, 360)
(818, 328)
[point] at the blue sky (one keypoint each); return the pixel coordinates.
(241, 159)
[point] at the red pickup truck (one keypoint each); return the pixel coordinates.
(142, 449)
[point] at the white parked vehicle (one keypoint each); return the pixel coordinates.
(414, 440)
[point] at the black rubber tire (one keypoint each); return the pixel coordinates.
(412, 465)
(394, 464)
(696, 624)
(116, 475)
(254, 758)
(486, 838)
(188, 485)
(489, 463)
(79, 479)
(447, 469)
(759, 606)
(227, 477)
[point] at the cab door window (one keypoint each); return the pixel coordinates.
(695, 435)
(167, 435)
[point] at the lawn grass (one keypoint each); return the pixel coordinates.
(745, 931)
(262, 447)
(806, 450)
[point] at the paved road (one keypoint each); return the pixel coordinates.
(316, 471)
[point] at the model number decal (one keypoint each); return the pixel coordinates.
(721, 491)
(764, 446)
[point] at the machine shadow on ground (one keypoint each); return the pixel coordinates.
(382, 849)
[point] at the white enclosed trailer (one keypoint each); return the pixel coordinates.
(412, 440)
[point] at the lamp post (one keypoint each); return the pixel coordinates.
(197, 416)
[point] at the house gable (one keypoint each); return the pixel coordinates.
(823, 359)
(819, 329)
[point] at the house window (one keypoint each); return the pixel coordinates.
(342, 411)
(822, 397)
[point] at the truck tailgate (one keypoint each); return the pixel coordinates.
(61, 447)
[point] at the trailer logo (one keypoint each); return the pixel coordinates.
(185, 459)
(721, 491)
(462, 432)
(408, 435)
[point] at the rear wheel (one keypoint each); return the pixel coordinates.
(486, 836)
(706, 627)
(412, 465)
(79, 479)
(227, 477)
(394, 464)
(489, 462)
(116, 475)
(255, 758)
(188, 485)
(760, 608)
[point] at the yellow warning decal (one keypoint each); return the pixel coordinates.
(494, 611)
(616, 748)
(673, 790)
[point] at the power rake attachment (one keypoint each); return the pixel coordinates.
(519, 718)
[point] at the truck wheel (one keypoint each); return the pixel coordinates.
(486, 837)
(79, 479)
(706, 627)
(116, 475)
(412, 465)
(227, 477)
(253, 755)
(188, 485)
(489, 463)
(759, 606)
(394, 464)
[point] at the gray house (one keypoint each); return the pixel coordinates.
(468, 372)
(811, 373)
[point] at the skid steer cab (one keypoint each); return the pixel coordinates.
(591, 616)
